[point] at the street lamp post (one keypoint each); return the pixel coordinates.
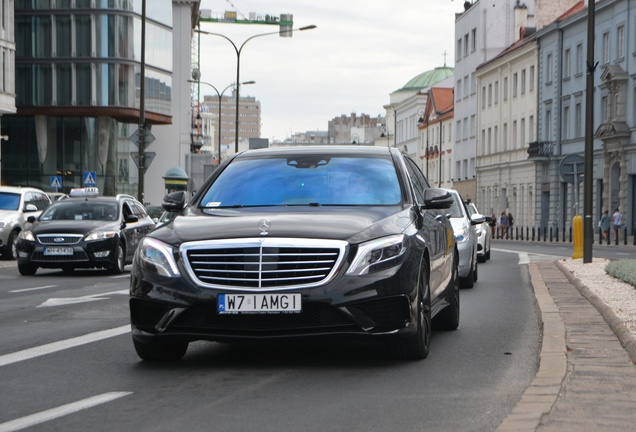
(220, 96)
(238, 51)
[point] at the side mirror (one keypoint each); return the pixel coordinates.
(132, 219)
(30, 208)
(477, 219)
(175, 201)
(435, 198)
(31, 219)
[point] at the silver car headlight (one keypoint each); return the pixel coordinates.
(156, 256)
(101, 235)
(377, 255)
(25, 235)
(462, 235)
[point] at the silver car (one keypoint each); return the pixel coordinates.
(483, 233)
(16, 205)
(466, 235)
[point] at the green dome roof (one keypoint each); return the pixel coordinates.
(428, 78)
(176, 173)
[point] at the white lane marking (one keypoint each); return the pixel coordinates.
(74, 300)
(33, 289)
(41, 350)
(120, 276)
(53, 413)
(524, 258)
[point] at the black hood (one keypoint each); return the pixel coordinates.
(353, 224)
(72, 227)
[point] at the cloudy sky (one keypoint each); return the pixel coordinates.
(360, 52)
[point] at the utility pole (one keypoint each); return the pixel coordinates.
(588, 167)
(142, 106)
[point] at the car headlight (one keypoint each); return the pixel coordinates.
(25, 235)
(462, 235)
(2, 224)
(157, 257)
(101, 235)
(479, 231)
(378, 255)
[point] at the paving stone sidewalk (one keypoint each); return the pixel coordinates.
(586, 379)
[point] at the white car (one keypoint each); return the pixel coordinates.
(466, 235)
(483, 233)
(16, 205)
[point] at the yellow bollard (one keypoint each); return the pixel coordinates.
(577, 233)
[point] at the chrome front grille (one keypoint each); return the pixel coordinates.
(263, 263)
(60, 239)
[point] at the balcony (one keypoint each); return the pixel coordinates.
(540, 149)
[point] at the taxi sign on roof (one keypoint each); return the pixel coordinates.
(84, 192)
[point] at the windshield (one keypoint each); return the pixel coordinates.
(457, 209)
(9, 201)
(80, 210)
(316, 180)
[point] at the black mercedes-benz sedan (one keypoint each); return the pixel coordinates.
(343, 241)
(84, 231)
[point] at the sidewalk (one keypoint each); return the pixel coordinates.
(586, 380)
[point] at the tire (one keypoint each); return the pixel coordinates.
(9, 251)
(488, 254)
(154, 351)
(417, 347)
(27, 269)
(476, 272)
(481, 258)
(469, 280)
(448, 318)
(119, 262)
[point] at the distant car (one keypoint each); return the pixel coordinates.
(84, 231)
(483, 233)
(16, 205)
(466, 236)
(155, 212)
(300, 242)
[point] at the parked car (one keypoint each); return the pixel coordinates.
(16, 205)
(341, 241)
(483, 233)
(466, 235)
(84, 231)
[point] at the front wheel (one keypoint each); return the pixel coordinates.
(120, 260)
(10, 252)
(155, 351)
(417, 347)
(27, 269)
(448, 318)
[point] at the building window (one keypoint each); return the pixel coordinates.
(473, 83)
(531, 77)
(466, 87)
(522, 133)
(548, 69)
(515, 83)
(458, 132)
(531, 129)
(496, 92)
(483, 97)
(473, 41)
(504, 138)
(494, 140)
(489, 142)
(579, 58)
(606, 48)
(505, 89)
(466, 45)
(473, 124)
(566, 64)
(578, 120)
(483, 142)
(605, 108)
(620, 42)
(514, 135)
(548, 124)
(458, 96)
(489, 94)
(523, 81)
(458, 52)
(565, 129)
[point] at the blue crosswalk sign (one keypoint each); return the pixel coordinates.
(90, 179)
(56, 182)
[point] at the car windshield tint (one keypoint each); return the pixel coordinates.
(303, 180)
(456, 210)
(9, 201)
(81, 210)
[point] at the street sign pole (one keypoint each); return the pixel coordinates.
(142, 107)
(588, 175)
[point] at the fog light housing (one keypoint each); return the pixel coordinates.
(101, 254)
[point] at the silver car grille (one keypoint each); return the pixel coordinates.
(263, 263)
(60, 239)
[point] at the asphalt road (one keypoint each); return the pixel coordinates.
(67, 363)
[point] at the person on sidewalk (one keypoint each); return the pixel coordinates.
(604, 224)
(617, 221)
(510, 222)
(503, 224)
(493, 226)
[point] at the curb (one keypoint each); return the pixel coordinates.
(539, 398)
(626, 338)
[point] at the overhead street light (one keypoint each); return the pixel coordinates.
(238, 51)
(220, 96)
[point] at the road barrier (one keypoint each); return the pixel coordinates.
(553, 234)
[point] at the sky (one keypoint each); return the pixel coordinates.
(360, 52)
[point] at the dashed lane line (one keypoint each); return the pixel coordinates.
(33, 289)
(41, 350)
(53, 413)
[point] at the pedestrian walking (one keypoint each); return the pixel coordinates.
(493, 226)
(617, 221)
(604, 225)
(503, 224)
(510, 222)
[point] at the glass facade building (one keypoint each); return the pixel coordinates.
(78, 65)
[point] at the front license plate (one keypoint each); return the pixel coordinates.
(58, 251)
(259, 303)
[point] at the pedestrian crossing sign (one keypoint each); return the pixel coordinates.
(90, 178)
(56, 182)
